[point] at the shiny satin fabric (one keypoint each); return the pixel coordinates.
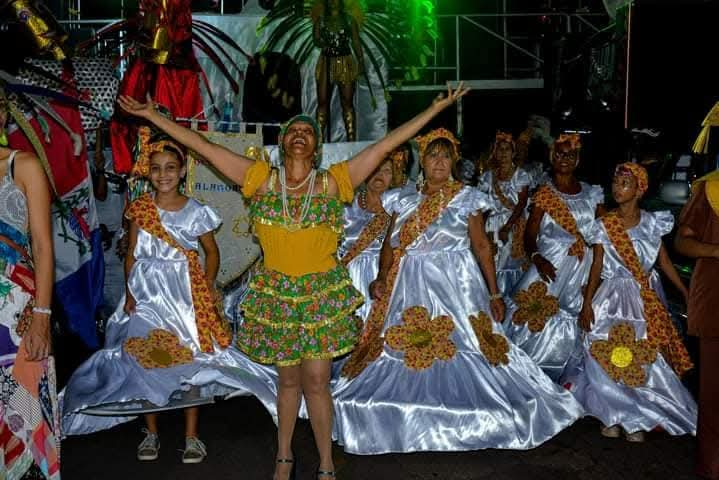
(663, 401)
(509, 270)
(364, 267)
(160, 284)
(552, 347)
(461, 404)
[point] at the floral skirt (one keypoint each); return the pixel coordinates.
(290, 319)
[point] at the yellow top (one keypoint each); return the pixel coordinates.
(294, 249)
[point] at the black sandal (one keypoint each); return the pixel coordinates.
(326, 473)
(293, 472)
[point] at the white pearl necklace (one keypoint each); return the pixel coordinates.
(293, 224)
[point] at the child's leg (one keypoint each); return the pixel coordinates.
(151, 422)
(192, 417)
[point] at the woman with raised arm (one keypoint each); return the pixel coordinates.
(299, 308)
(433, 370)
(29, 422)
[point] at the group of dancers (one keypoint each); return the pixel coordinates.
(397, 316)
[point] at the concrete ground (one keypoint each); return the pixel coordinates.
(240, 437)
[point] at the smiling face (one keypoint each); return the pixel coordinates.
(166, 171)
(381, 178)
(438, 161)
(300, 141)
(565, 159)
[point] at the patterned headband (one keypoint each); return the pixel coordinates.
(503, 137)
(424, 141)
(147, 149)
(637, 171)
(572, 139)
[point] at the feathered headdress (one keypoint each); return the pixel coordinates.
(402, 31)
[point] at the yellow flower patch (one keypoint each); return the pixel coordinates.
(535, 306)
(492, 345)
(622, 356)
(423, 340)
(161, 349)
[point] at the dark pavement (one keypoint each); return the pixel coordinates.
(240, 438)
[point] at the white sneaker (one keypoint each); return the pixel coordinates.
(636, 437)
(195, 451)
(149, 448)
(612, 432)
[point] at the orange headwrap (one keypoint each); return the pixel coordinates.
(399, 157)
(425, 141)
(572, 139)
(147, 149)
(637, 171)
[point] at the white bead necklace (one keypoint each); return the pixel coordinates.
(283, 180)
(293, 224)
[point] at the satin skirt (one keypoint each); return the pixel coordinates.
(111, 377)
(662, 402)
(552, 347)
(464, 403)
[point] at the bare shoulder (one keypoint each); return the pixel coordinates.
(28, 171)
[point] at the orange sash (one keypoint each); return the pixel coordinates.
(209, 322)
(661, 333)
(548, 200)
(371, 341)
(369, 234)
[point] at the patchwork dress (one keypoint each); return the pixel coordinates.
(436, 372)
(29, 420)
(542, 317)
(616, 380)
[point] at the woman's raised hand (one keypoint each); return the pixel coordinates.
(445, 100)
(133, 107)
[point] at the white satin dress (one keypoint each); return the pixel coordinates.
(464, 403)
(552, 347)
(663, 401)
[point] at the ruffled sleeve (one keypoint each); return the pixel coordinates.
(595, 234)
(255, 176)
(521, 179)
(663, 223)
(206, 220)
(596, 195)
(389, 200)
(341, 173)
(473, 201)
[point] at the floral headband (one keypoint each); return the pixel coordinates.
(424, 141)
(572, 139)
(315, 126)
(146, 149)
(636, 171)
